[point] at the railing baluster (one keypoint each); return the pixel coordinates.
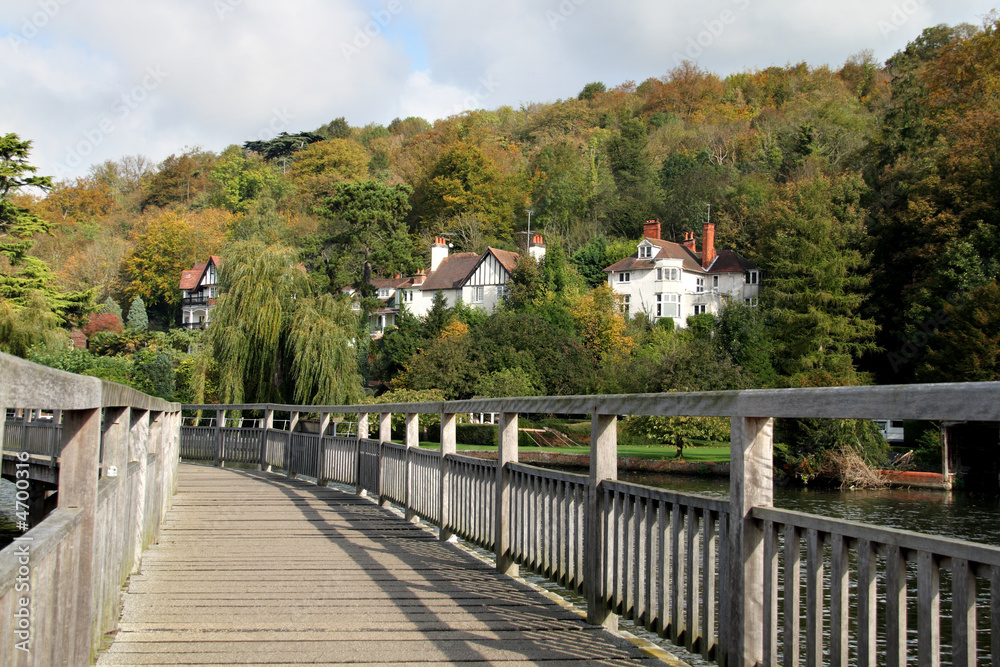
(708, 546)
(793, 558)
(770, 593)
(928, 610)
(691, 580)
(963, 606)
(676, 575)
(814, 598)
(895, 598)
(839, 603)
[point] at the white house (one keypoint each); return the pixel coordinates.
(199, 289)
(667, 279)
(477, 280)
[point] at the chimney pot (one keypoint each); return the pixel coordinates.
(689, 241)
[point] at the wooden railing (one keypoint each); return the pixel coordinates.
(708, 574)
(60, 582)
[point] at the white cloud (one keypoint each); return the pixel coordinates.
(233, 66)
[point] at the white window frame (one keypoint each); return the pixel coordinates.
(699, 285)
(659, 274)
(752, 277)
(626, 304)
(383, 292)
(625, 277)
(668, 305)
(645, 251)
(700, 309)
(715, 282)
(478, 294)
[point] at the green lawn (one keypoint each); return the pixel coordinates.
(708, 454)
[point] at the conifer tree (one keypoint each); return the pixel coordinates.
(137, 318)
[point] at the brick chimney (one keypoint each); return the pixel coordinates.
(419, 278)
(439, 252)
(651, 229)
(689, 241)
(707, 245)
(536, 248)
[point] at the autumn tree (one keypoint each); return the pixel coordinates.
(23, 277)
(167, 244)
(323, 164)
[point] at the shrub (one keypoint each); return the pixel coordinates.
(99, 322)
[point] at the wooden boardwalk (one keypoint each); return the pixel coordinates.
(252, 568)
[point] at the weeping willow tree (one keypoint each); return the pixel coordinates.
(324, 361)
(269, 335)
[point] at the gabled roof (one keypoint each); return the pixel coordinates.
(690, 261)
(453, 271)
(191, 278)
(506, 258)
(726, 261)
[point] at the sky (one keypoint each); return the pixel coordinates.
(88, 81)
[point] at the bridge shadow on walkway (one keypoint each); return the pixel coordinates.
(255, 569)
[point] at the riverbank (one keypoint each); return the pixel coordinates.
(629, 464)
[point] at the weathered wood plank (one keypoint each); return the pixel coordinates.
(306, 574)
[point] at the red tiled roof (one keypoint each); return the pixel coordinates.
(452, 272)
(506, 258)
(192, 277)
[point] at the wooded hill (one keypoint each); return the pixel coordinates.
(867, 193)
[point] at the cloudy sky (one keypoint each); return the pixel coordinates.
(90, 80)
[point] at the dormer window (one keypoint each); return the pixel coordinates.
(383, 292)
(645, 251)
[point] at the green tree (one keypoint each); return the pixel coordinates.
(241, 182)
(507, 382)
(272, 340)
(321, 342)
(23, 276)
(816, 281)
(365, 235)
(137, 319)
(638, 192)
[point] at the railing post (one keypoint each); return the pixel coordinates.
(220, 438)
(506, 453)
(603, 465)
(385, 427)
(384, 435)
(412, 440)
(751, 484)
(324, 423)
(267, 424)
(448, 446)
(361, 435)
(79, 460)
(293, 423)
